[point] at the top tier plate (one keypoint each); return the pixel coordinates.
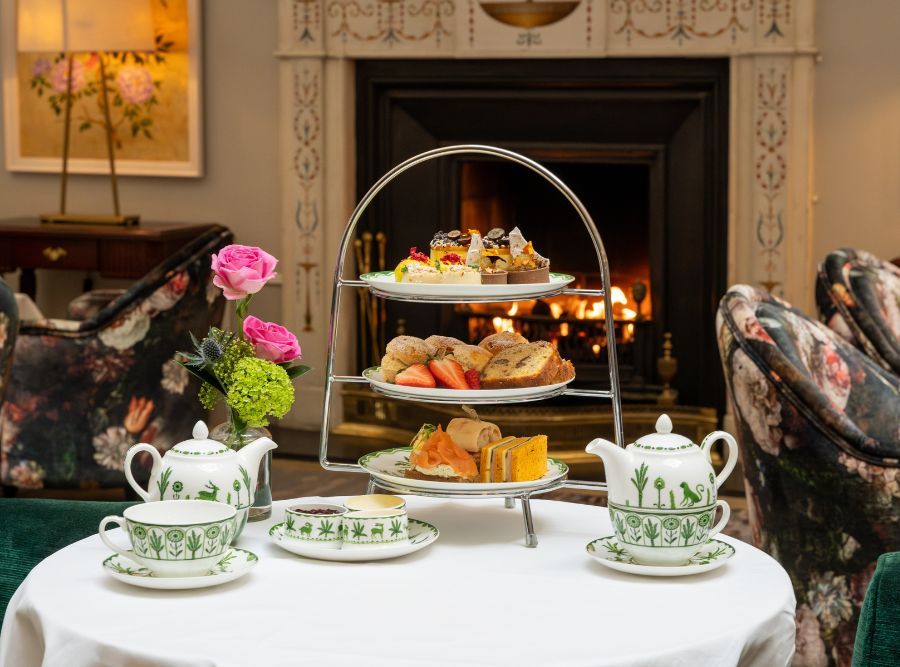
(383, 284)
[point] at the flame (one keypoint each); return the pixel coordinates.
(564, 329)
(502, 324)
(556, 310)
(513, 309)
(617, 295)
(596, 348)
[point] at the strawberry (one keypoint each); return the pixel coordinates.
(416, 375)
(449, 373)
(473, 379)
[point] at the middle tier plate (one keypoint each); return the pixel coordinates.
(390, 465)
(437, 395)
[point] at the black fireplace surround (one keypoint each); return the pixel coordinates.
(670, 115)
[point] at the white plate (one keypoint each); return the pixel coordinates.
(383, 282)
(391, 465)
(712, 555)
(234, 565)
(421, 534)
(437, 395)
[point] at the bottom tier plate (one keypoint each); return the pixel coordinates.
(390, 465)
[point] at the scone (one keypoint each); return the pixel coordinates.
(439, 346)
(527, 365)
(390, 366)
(471, 356)
(500, 341)
(408, 350)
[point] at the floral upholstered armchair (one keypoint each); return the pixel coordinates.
(9, 325)
(858, 296)
(818, 429)
(82, 392)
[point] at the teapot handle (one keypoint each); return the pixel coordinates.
(157, 460)
(706, 446)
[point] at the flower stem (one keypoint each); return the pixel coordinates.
(241, 312)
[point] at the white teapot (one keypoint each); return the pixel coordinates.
(662, 493)
(203, 469)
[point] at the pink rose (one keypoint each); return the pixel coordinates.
(241, 270)
(272, 341)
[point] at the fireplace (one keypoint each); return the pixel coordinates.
(642, 143)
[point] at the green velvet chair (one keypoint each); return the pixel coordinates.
(878, 634)
(62, 522)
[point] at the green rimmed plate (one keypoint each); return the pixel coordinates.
(391, 465)
(421, 535)
(235, 563)
(607, 550)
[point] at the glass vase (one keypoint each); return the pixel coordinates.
(262, 502)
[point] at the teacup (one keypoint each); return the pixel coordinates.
(375, 528)
(319, 523)
(665, 536)
(175, 538)
(375, 501)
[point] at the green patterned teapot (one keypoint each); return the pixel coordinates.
(203, 469)
(662, 492)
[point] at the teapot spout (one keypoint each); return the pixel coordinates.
(615, 459)
(250, 455)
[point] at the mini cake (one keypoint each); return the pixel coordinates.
(446, 243)
(493, 276)
(526, 266)
(527, 365)
(495, 251)
(513, 459)
(435, 455)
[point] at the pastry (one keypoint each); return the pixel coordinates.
(526, 265)
(419, 261)
(472, 434)
(500, 341)
(491, 276)
(451, 269)
(526, 365)
(513, 459)
(408, 350)
(471, 357)
(439, 346)
(434, 454)
(453, 242)
(390, 366)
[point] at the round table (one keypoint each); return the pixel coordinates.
(476, 596)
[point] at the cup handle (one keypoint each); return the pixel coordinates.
(105, 538)
(726, 514)
(157, 461)
(706, 446)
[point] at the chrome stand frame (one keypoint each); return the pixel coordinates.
(340, 283)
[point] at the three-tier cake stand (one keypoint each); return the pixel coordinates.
(340, 284)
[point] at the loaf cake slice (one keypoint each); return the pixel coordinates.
(514, 459)
(526, 365)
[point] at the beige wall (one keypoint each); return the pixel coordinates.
(857, 127)
(240, 186)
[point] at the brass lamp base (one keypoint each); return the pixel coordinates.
(88, 219)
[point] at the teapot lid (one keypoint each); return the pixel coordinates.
(201, 445)
(663, 439)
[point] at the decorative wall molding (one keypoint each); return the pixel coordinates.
(770, 44)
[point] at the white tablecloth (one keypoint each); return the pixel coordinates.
(476, 596)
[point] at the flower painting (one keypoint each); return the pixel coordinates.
(153, 96)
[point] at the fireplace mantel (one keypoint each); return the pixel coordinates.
(770, 44)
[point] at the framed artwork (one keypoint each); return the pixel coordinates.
(154, 101)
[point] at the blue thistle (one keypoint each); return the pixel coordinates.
(210, 350)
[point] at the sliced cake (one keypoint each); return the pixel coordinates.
(513, 459)
(525, 365)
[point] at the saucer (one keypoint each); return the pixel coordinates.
(235, 564)
(421, 534)
(712, 555)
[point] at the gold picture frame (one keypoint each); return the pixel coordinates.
(156, 103)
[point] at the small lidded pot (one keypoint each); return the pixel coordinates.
(375, 501)
(318, 523)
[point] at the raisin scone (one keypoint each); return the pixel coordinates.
(440, 346)
(390, 366)
(471, 357)
(500, 341)
(525, 365)
(408, 350)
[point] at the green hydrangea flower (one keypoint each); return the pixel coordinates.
(208, 396)
(258, 388)
(233, 352)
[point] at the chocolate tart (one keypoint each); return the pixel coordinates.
(541, 275)
(494, 278)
